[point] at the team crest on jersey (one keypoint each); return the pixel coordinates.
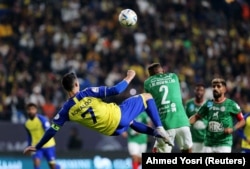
(57, 117)
(191, 107)
(95, 89)
(209, 104)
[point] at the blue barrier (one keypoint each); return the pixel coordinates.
(97, 162)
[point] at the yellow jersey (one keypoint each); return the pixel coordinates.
(88, 109)
(246, 131)
(36, 129)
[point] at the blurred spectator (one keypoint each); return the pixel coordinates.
(113, 76)
(5, 6)
(15, 107)
(58, 61)
(5, 30)
(37, 97)
(48, 109)
(4, 115)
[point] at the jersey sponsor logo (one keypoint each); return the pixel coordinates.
(215, 126)
(217, 108)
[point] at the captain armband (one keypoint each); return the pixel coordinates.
(55, 127)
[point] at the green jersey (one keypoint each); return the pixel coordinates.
(165, 89)
(140, 138)
(219, 116)
(198, 135)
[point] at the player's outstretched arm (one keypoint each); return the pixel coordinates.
(46, 137)
(29, 150)
(130, 76)
(194, 118)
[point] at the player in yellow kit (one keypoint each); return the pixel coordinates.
(244, 133)
(87, 108)
(36, 125)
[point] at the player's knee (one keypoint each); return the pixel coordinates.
(147, 96)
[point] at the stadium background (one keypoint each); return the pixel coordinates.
(41, 40)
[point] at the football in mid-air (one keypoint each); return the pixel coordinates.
(127, 18)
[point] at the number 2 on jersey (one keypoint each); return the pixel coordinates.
(89, 110)
(164, 89)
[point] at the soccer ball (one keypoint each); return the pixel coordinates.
(127, 18)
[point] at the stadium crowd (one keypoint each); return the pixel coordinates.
(42, 40)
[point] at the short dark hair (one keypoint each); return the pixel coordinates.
(28, 105)
(152, 68)
(219, 80)
(68, 81)
(200, 84)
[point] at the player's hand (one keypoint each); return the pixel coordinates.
(29, 150)
(228, 130)
(131, 73)
(124, 134)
